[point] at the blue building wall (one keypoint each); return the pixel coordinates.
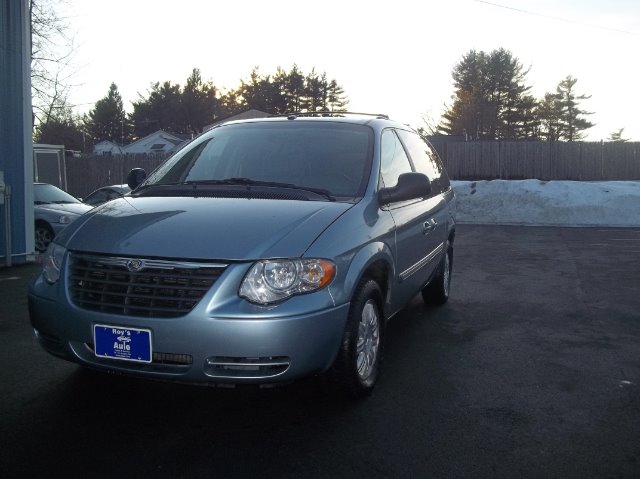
(16, 157)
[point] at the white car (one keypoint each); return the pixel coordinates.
(54, 209)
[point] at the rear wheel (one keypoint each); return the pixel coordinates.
(43, 236)
(357, 365)
(437, 291)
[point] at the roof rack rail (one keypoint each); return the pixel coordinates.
(330, 114)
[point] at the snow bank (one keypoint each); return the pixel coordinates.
(561, 203)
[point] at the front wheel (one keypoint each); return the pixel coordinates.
(357, 365)
(437, 291)
(43, 236)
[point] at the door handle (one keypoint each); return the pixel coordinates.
(429, 226)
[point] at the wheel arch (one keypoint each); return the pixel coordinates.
(452, 235)
(374, 261)
(45, 223)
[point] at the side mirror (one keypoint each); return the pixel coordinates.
(410, 187)
(135, 177)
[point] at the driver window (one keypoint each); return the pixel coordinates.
(393, 159)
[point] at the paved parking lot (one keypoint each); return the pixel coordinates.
(531, 370)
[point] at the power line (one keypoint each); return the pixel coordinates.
(575, 22)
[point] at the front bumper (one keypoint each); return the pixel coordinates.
(201, 347)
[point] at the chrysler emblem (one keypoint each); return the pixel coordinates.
(135, 265)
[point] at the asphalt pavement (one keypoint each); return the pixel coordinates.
(531, 370)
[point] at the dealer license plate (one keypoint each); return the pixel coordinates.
(118, 342)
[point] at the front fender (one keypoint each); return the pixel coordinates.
(369, 255)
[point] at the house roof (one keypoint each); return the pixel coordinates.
(170, 137)
(107, 142)
(174, 140)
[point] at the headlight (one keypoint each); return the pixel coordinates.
(53, 263)
(270, 281)
(64, 220)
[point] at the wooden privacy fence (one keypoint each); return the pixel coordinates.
(85, 174)
(519, 160)
(471, 160)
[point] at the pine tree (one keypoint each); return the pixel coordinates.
(336, 98)
(468, 114)
(199, 103)
(108, 120)
(294, 92)
(285, 92)
(161, 110)
(571, 121)
(279, 83)
(559, 113)
(491, 99)
(315, 95)
(548, 114)
(259, 92)
(229, 104)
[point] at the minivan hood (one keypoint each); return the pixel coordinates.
(202, 228)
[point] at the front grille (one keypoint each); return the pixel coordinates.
(161, 358)
(139, 287)
(172, 358)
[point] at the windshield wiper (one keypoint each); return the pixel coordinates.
(249, 182)
(237, 181)
(318, 191)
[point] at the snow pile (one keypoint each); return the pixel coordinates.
(561, 203)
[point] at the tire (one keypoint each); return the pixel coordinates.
(437, 291)
(43, 237)
(355, 370)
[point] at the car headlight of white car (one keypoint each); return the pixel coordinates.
(53, 263)
(271, 281)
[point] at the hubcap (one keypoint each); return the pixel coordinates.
(43, 238)
(368, 340)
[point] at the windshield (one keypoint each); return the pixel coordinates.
(43, 194)
(329, 156)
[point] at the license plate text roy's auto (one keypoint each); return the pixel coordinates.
(121, 342)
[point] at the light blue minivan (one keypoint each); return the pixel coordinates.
(264, 251)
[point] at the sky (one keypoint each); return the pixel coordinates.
(390, 57)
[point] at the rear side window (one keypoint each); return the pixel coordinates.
(425, 160)
(393, 159)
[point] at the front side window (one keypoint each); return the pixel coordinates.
(393, 159)
(425, 160)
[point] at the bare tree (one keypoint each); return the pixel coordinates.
(429, 126)
(617, 136)
(52, 50)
